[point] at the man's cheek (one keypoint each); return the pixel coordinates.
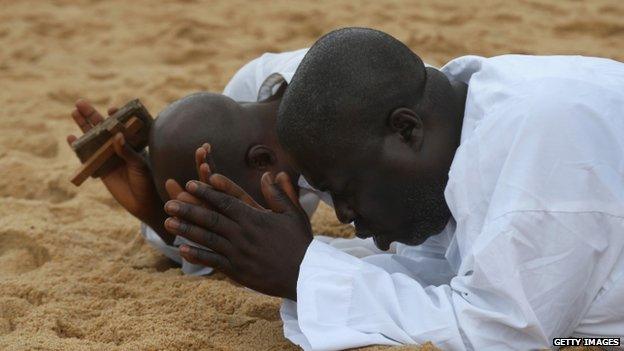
(380, 210)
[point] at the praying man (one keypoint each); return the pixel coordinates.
(512, 166)
(240, 125)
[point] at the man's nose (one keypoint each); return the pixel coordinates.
(344, 212)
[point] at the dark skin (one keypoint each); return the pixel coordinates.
(131, 183)
(249, 130)
(139, 190)
(263, 249)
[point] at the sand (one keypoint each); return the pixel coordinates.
(75, 273)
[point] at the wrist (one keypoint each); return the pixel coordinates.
(291, 290)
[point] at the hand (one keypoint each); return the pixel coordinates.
(259, 248)
(131, 183)
(205, 165)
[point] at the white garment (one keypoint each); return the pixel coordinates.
(536, 191)
(255, 81)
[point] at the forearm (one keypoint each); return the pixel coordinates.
(360, 304)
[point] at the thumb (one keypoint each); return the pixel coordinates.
(176, 192)
(283, 180)
(277, 199)
(125, 151)
(173, 188)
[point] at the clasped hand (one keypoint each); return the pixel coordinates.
(256, 247)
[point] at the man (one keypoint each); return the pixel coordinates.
(518, 160)
(240, 124)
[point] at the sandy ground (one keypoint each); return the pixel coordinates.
(74, 271)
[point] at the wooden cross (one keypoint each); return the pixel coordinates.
(95, 148)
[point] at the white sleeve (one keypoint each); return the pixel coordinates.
(155, 241)
(356, 247)
(173, 251)
(530, 278)
(245, 83)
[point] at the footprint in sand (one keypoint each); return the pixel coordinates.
(11, 308)
(65, 329)
(38, 144)
(4, 32)
(187, 54)
(261, 309)
(196, 32)
(598, 29)
(26, 181)
(552, 9)
(28, 53)
(31, 137)
(612, 10)
(18, 254)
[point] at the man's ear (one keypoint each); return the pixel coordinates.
(408, 124)
(260, 157)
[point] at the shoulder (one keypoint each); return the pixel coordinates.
(246, 82)
(554, 104)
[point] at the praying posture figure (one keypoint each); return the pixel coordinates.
(240, 124)
(511, 168)
(246, 147)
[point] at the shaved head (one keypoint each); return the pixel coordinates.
(188, 123)
(241, 135)
(348, 82)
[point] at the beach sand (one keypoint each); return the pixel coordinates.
(75, 273)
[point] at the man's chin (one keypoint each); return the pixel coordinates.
(383, 241)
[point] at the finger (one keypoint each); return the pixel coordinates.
(202, 217)
(204, 172)
(173, 188)
(199, 235)
(176, 192)
(206, 258)
(208, 158)
(111, 110)
(200, 159)
(90, 114)
(190, 199)
(225, 185)
(125, 151)
(226, 204)
(80, 121)
(71, 138)
(283, 181)
(275, 197)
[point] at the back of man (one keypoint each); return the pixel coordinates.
(542, 151)
(536, 193)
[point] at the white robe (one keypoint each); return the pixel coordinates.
(536, 244)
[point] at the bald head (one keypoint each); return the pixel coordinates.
(185, 125)
(348, 82)
(242, 136)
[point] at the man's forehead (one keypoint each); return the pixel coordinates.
(329, 177)
(330, 167)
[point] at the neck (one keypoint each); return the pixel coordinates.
(263, 116)
(460, 90)
(446, 99)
